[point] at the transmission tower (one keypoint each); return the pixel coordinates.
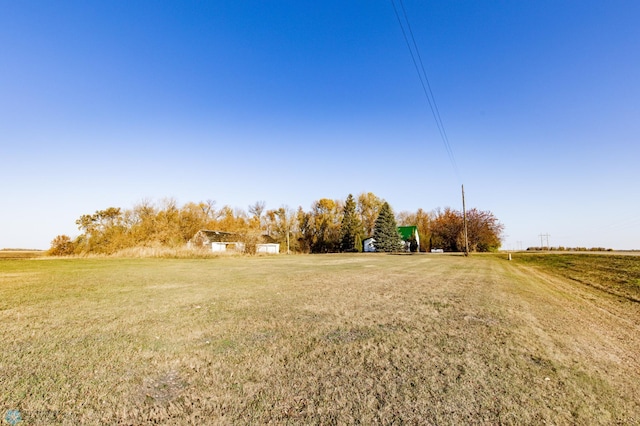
(541, 243)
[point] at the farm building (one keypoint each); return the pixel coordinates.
(217, 241)
(368, 245)
(409, 235)
(270, 248)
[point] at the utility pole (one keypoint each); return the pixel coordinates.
(541, 243)
(288, 232)
(464, 220)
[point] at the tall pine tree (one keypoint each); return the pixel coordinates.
(350, 227)
(385, 234)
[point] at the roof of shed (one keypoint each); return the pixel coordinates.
(216, 236)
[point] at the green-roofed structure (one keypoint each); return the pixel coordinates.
(410, 236)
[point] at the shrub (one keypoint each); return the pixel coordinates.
(61, 246)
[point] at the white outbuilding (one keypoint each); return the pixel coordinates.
(368, 245)
(270, 248)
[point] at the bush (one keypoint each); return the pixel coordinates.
(62, 246)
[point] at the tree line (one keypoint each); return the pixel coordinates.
(328, 226)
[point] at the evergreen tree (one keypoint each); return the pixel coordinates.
(350, 227)
(385, 234)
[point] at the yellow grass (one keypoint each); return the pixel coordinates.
(20, 254)
(372, 339)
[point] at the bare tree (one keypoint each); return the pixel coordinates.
(257, 209)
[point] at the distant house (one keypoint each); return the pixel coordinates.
(409, 235)
(368, 245)
(217, 241)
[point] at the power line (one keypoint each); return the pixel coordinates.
(541, 241)
(424, 81)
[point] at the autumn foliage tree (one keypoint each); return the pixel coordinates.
(483, 230)
(281, 227)
(104, 230)
(329, 226)
(446, 230)
(368, 209)
(62, 245)
(320, 228)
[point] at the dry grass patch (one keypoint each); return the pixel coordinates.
(21, 254)
(311, 339)
(615, 274)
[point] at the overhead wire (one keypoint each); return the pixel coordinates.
(424, 81)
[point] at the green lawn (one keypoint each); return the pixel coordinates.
(372, 339)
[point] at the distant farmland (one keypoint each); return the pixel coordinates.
(372, 339)
(20, 254)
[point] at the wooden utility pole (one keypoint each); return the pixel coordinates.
(464, 220)
(288, 231)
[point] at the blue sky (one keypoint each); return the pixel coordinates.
(109, 103)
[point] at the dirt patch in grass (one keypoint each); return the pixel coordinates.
(163, 388)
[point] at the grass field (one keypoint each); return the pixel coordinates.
(616, 274)
(325, 339)
(20, 254)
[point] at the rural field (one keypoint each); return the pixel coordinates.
(321, 339)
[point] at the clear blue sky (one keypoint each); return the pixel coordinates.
(108, 103)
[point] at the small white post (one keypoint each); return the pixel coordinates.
(509, 256)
